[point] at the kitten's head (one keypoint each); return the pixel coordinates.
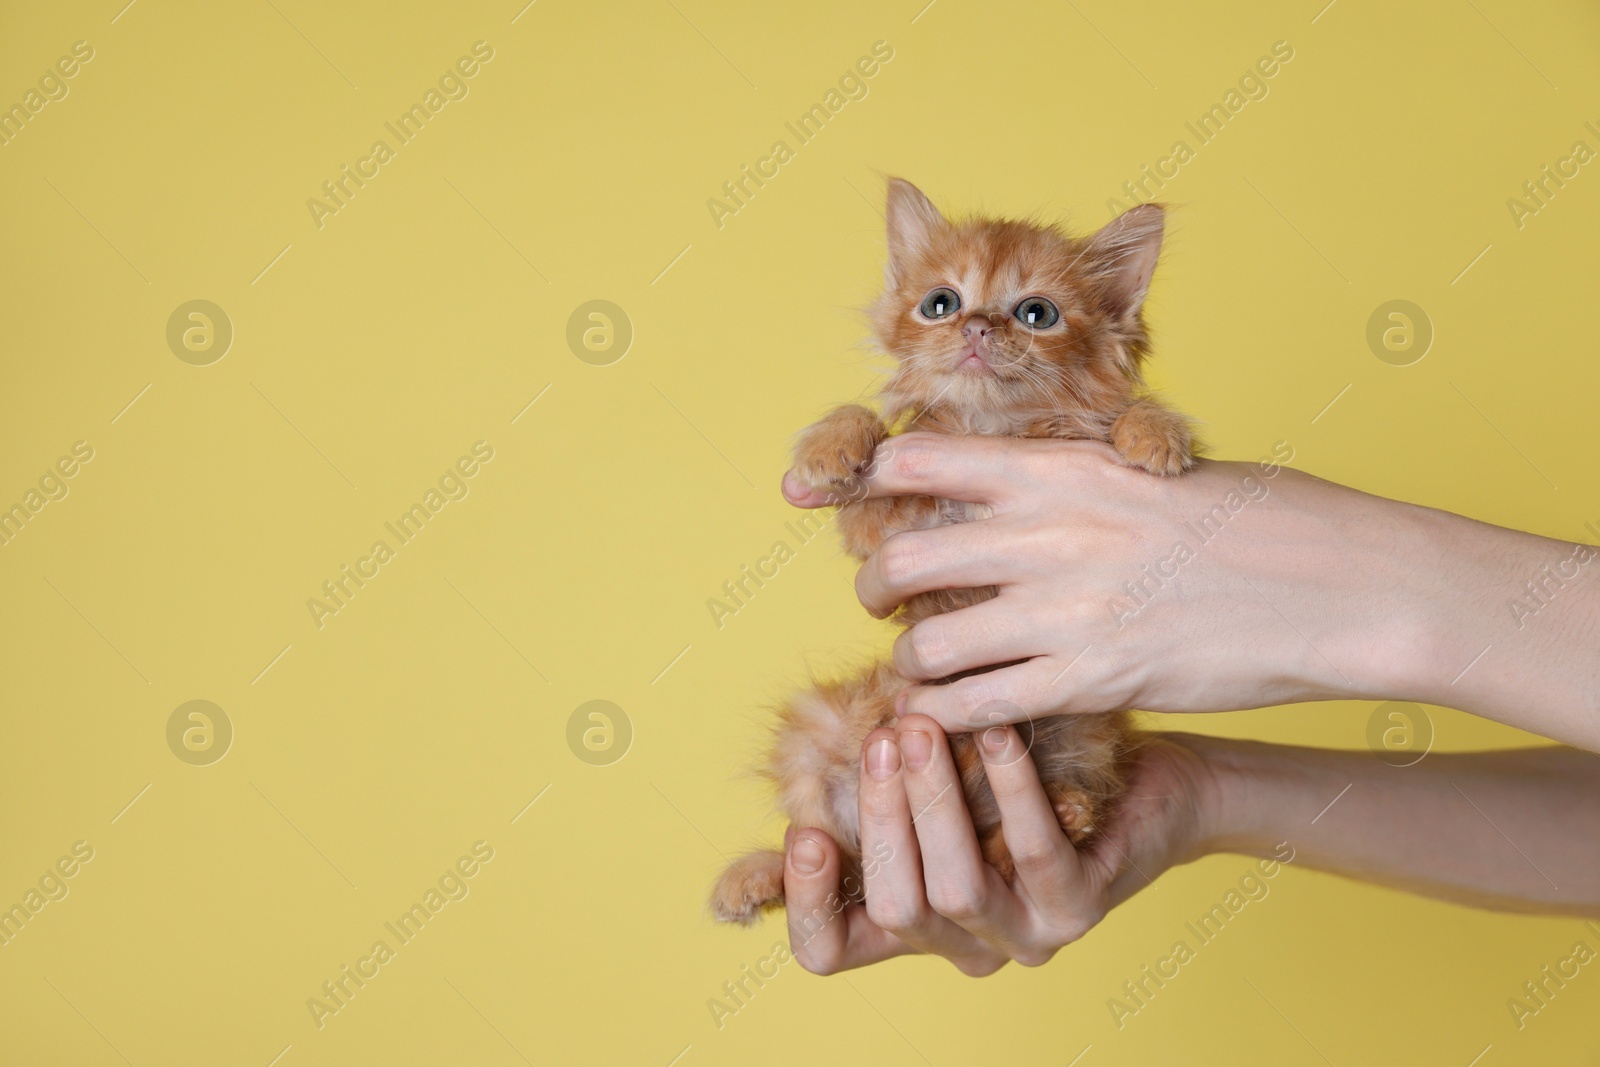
(991, 315)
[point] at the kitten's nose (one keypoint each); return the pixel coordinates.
(979, 326)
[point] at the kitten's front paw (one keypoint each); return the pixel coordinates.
(1150, 436)
(752, 885)
(831, 452)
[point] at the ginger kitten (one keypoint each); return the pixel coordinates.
(999, 328)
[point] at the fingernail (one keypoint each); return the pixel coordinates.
(883, 758)
(995, 739)
(900, 703)
(916, 747)
(806, 856)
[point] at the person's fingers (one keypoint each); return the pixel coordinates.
(1008, 695)
(976, 469)
(896, 899)
(959, 884)
(1047, 865)
(980, 470)
(801, 495)
(963, 556)
(979, 636)
(810, 884)
(951, 862)
(826, 934)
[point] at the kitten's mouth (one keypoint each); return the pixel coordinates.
(973, 362)
(985, 358)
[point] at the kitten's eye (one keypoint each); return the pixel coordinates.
(940, 303)
(1037, 313)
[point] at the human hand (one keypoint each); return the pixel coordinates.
(928, 890)
(1236, 585)
(927, 887)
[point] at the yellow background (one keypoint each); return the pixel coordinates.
(434, 707)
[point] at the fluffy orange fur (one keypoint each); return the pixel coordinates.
(999, 328)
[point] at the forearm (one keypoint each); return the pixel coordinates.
(1512, 830)
(1500, 623)
(1401, 602)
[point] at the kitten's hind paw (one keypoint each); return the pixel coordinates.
(752, 885)
(1075, 811)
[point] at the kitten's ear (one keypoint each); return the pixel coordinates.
(1123, 255)
(913, 220)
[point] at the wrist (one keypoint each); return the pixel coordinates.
(1394, 645)
(1213, 775)
(1405, 599)
(1352, 584)
(1234, 804)
(1483, 619)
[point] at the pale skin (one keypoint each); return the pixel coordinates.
(1297, 590)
